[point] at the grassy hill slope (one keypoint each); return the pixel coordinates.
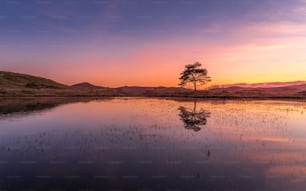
(23, 85)
(15, 80)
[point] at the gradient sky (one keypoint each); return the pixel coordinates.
(148, 42)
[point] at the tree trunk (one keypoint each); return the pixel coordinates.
(195, 86)
(194, 106)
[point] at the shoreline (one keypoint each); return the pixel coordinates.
(157, 97)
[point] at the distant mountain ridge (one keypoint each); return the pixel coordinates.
(86, 85)
(151, 91)
(260, 85)
(293, 91)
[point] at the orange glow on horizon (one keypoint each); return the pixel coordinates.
(254, 54)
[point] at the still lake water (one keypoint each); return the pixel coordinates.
(152, 144)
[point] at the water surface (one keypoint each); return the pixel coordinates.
(152, 144)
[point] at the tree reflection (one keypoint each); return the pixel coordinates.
(193, 119)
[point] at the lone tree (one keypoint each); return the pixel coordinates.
(193, 73)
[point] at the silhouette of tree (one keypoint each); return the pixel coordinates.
(193, 119)
(193, 73)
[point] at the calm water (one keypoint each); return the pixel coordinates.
(152, 144)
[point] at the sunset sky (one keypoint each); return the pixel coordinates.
(148, 42)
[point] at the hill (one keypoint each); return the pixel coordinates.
(260, 85)
(23, 85)
(293, 91)
(16, 80)
(86, 85)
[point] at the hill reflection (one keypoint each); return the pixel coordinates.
(32, 105)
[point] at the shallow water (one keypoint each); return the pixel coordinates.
(152, 144)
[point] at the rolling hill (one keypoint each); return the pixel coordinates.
(293, 91)
(260, 85)
(23, 85)
(15, 80)
(86, 85)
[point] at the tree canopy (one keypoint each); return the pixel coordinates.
(194, 74)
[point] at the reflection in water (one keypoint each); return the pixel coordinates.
(134, 144)
(27, 106)
(193, 119)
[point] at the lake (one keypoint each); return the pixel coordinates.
(152, 144)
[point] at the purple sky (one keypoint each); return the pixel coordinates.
(126, 42)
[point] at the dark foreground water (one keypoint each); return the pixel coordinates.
(152, 144)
